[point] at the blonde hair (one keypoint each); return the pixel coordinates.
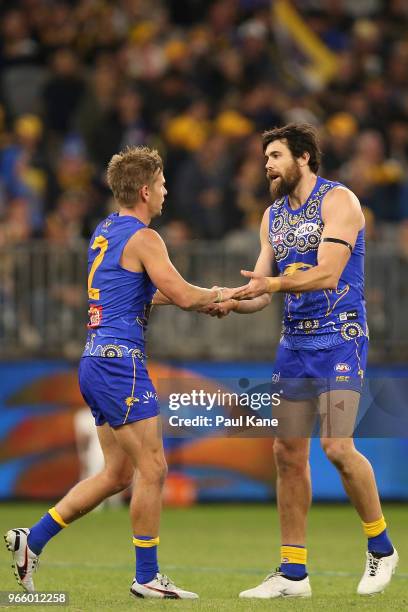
(129, 170)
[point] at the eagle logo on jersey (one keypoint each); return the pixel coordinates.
(129, 401)
(295, 267)
(289, 270)
(333, 297)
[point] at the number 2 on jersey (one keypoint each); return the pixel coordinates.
(101, 243)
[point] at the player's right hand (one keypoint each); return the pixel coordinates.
(221, 309)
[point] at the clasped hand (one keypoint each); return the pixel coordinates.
(258, 285)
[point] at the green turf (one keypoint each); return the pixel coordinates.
(215, 550)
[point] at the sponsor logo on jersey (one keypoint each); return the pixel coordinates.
(306, 228)
(350, 315)
(342, 378)
(95, 316)
(342, 367)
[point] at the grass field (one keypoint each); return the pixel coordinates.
(216, 550)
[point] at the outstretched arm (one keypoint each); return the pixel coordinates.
(343, 219)
(159, 299)
(146, 248)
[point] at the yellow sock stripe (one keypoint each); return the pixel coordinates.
(146, 543)
(375, 528)
(57, 517)
(292, 554)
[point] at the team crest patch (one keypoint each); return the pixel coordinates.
(95, 316)
(107, 223)
(342, 367)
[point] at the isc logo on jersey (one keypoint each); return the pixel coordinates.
(342, 367)
(306, 228)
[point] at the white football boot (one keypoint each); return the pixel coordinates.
(160, 587)
(377, 574)
(25, 561)
(276, 585)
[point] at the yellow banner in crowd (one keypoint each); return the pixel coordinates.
(322, 63)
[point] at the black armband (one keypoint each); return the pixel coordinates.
(339, 241)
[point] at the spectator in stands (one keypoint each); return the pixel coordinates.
(171, 72)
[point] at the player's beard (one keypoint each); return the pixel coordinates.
(287, 182)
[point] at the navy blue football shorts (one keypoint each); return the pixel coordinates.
(118, 390)
(305, 374)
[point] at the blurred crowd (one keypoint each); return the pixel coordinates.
(199, 80)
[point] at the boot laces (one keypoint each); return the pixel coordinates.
(165, 580)
(373, 564)
(277, 572)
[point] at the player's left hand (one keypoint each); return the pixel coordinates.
(258, 285)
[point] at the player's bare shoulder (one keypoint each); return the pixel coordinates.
(145, 239)
(142, 243)
(266, 214)
(341, 202)
(264, 229)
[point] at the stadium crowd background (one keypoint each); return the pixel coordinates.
(199, 80)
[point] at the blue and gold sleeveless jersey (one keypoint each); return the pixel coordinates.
(119, 300)
(316, 319)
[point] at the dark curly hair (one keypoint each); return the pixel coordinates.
(300, 138)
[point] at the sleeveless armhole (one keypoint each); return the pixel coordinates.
(334, 185)
(121, 248)
(270, 223)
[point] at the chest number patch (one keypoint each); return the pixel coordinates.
(101, 243)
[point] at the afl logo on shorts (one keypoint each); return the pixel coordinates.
(342, 367)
